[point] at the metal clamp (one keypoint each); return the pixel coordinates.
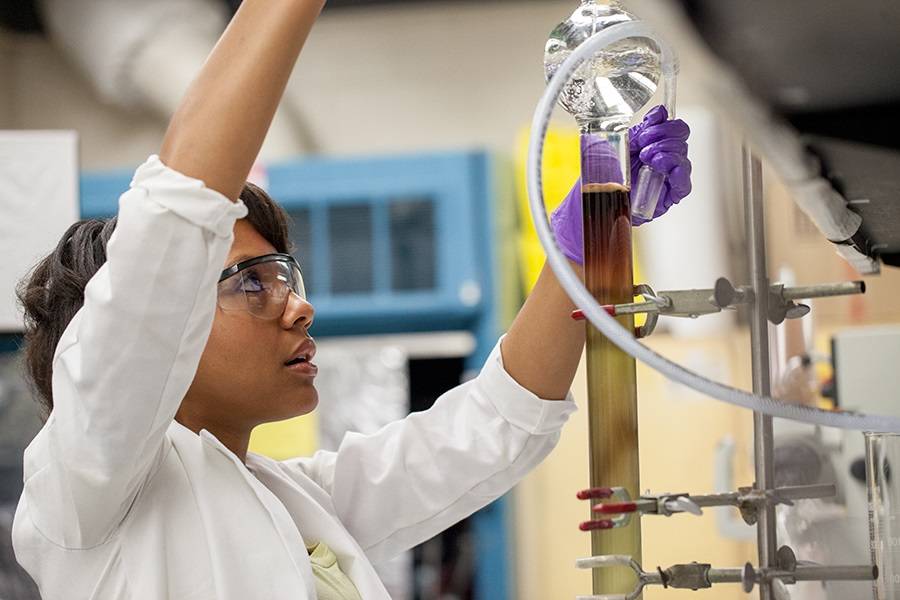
(695, 576)
(649, 326)
(621, 514)
(680, 503)
(748, 500)
(651, 308)
(662, 504)
(618, 560)
(690, 576)
(788, 570)
(724, 296)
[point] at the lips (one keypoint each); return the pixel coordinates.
(301, 358)
(304, 368)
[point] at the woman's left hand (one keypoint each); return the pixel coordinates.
(662, 144)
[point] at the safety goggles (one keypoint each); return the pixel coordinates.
(261, 285)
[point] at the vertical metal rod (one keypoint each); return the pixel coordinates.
(611, 373)
(763, 437)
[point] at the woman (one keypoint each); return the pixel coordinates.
(140, 485)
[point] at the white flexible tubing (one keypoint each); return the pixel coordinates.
(592, 310)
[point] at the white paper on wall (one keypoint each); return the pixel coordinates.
(38, 201)
(689, 249)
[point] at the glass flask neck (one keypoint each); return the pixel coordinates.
(605, 157)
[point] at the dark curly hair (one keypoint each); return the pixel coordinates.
(53, 291)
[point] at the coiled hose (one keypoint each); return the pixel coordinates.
(592, 310)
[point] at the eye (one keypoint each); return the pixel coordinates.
(251, 282)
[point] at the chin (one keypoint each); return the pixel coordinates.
(303, 403)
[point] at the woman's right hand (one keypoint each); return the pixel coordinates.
(219, 127)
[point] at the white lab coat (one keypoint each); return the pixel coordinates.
(122, 502)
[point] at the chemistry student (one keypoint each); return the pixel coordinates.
(155, 365)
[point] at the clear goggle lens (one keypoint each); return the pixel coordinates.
(262, 289)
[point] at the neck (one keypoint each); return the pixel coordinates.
(235, 438)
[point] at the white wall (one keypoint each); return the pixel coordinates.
(370, 80)
(427, 76)
(38, 202)
(46, 93)
(382, 79)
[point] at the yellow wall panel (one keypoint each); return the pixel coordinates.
(561, 168)
(286, 439)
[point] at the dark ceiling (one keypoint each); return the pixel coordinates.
(832, 69)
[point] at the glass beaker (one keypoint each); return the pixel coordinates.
(882, 456)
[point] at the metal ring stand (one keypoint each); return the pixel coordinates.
(778, 566)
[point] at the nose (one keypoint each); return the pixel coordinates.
(297, 311)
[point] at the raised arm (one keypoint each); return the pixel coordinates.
(129, 355)
(543, 346)
(220, 125)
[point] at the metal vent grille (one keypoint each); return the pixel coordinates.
(379, 246)
(413, 245)
(301, 239)
(350, 248)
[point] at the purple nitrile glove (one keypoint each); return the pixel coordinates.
(655, 141)
(662, 144)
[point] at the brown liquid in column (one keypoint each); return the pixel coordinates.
(612, 386)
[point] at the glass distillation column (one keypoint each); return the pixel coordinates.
(603, 95)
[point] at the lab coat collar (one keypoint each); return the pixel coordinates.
(207, 437)
(296, 506)
(283, 523)
(314, 515)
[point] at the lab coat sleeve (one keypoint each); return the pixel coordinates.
(416, 477)
(127, 358)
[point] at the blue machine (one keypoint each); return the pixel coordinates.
(391, 245)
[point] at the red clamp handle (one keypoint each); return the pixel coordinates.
(578, 314)
(594, 525)
(593, 493)
(615, 508)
